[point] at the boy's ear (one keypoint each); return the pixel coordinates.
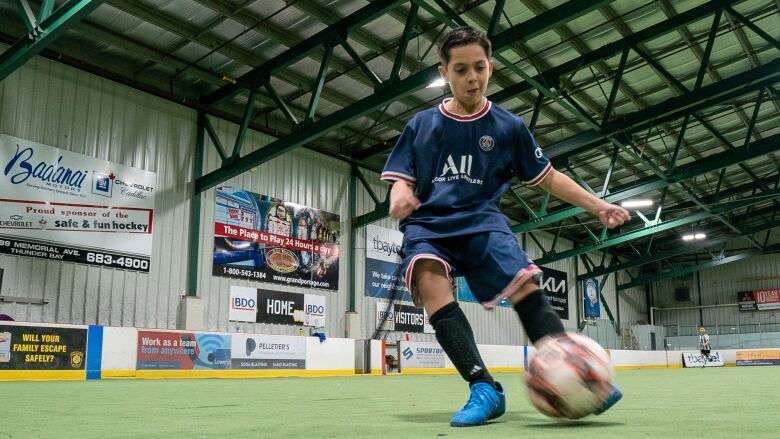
(443, 72)
(490, 68)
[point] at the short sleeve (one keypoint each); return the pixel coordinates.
(529, 162)
(400, 164)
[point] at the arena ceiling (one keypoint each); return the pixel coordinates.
(672, 101)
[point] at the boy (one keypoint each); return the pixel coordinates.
(704, 345)
(449, 169)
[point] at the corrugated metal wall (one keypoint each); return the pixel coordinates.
(56, 105)
(51, 103)
(633, 304)
(59, 106)
(300, 176)
(719, 286)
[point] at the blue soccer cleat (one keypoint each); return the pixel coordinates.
(613, 398)
(485, 403)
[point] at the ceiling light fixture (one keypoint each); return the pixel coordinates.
(437, 83)
(629, 204)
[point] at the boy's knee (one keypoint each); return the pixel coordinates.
(429, 267)
(431, 286)
(523, 292)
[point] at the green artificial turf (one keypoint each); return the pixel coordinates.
(734, 402)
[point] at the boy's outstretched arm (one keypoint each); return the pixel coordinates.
(566, 189)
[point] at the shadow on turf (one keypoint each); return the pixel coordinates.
(574, 424)
(529, 418)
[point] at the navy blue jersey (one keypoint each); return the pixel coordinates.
(461, 166)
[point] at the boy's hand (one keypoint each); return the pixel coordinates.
(402, 200)
(612, 216)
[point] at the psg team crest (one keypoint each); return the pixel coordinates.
(486, 143)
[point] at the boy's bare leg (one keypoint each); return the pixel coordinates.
(432, 285)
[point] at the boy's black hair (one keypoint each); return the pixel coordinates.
(460, 37)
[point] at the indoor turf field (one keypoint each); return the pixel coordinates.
(733, 402)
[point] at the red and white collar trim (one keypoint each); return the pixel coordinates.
(467, 118)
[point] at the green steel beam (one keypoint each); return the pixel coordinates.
(679, 143)
(352, 238)
(46, 7)
(551, 76)
(373, 150)
(615, 85)
(194, 230)
(673, 108)
(366, 185)
(48, 30)
(405, 36)
(694, 268)
(27, 16)
(385, 95)
(338, 31)
(590, 138)
(362, 64)
(319, 83)
(317, 128)
(550, 19)
(708, 50)
(752, 123)
(537, 112)
(605, 188)
(587, 229)
(581, 181)
(248, 111)
(604, 299)
(720, 183)
(648, 259)
(214, 139)
(626, 237)
(731, 192)
(651, 229)
(380, 212)
(575, 144)
(721, 91)
(498, 9)
(281, 104)
(709, 164)
(752, 26)
(557, 235)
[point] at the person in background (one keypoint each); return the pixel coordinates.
(704, 345)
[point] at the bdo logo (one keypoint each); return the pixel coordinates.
(316, 310)
(244, 303)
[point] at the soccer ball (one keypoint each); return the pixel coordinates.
(570, 376)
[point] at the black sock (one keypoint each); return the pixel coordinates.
(454, 334)
(538, 317)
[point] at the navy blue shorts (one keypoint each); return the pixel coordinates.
(493, 263)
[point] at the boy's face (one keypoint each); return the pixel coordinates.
(468, 73)
(702, 331)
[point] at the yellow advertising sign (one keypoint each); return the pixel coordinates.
(758, 358)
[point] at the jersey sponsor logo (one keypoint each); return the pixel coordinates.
(486, 143)
(452, 172)
(538, 152)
